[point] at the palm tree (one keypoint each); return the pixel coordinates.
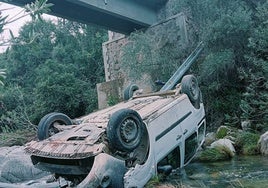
(34, 9)
(37, 8)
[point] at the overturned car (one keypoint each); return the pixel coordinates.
(126, 144)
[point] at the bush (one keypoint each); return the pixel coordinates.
(15, 112)
(57, 71)
(254, 104)
(222, 132)
(246, 143)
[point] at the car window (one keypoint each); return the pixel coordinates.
(190, 147)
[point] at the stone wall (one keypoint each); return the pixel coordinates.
(110, 92)
(111, 56)
(173, 30)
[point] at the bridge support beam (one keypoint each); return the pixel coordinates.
(123, 16)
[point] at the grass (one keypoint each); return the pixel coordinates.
(218, 153)
(222, 132)
(247, 143)
(153, 182)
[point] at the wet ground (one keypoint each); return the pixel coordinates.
(244, 172)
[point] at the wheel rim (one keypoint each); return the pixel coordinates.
(129, 130)
(52, 129)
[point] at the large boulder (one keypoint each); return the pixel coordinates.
(226, 144)
(210, 138)
(246, 125)
(263, 143)
(219, 150)
(16, 166)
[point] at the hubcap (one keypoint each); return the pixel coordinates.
(129, 130)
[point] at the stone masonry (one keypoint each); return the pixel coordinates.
(173, 30)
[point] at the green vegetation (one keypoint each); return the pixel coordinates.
(233, 69)
(112, 100)
(34, 9)
(54, 66)
(228, 132)
(153, 182)
(157, 181)
(247, 143)
(141, 55)
(222, 132)
(50, 66)
(37, 8)
(2, 76)
(218, 153)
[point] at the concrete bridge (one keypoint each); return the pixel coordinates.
(123, 16)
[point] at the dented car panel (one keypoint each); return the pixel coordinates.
(107, 171)
(167, 131)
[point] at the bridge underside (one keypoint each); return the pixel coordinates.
(123, 16)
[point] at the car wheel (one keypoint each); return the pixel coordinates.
(189, 86)
(125, 129)
(46, 127)
(129, 91)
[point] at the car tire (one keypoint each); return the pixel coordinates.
(124, 130)
(46, 125)
(189, 86)
(129, 91)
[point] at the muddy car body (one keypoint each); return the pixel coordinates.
(127, 144)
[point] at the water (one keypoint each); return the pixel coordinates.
(244, 172)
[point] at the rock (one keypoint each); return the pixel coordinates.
(227, 132)
(17, 170)
(219, 150)
(263, 143)
(210, 138)
(246, 125)
(31, 184)
(16, 166)
(213, 155)
(226, 143)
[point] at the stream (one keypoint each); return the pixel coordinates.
(241, 171)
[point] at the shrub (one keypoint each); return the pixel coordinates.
(222, 132)
(247, 143)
